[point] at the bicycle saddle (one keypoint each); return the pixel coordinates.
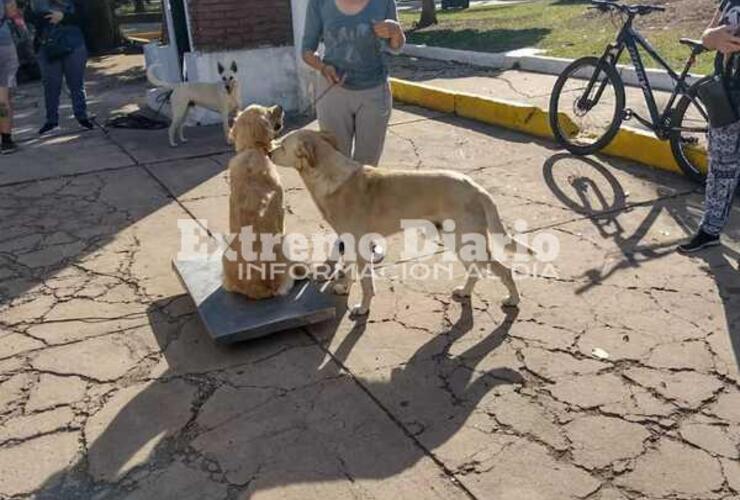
(696, 45)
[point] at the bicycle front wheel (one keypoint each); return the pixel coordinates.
(690, 133)
(587, 106)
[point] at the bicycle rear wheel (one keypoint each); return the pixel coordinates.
(689, 134)
(587, 106)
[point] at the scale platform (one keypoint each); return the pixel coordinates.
(230, 318)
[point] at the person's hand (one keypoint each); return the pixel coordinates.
(387, 29)
(55, 16)
(330, 73)
(722, 39)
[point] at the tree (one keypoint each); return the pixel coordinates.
(428, 14)
(101, 27)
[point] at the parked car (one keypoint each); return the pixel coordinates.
(460, 4)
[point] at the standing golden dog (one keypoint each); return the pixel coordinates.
(359, 200)
(256, 203)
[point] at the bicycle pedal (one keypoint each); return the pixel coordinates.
(627, 115)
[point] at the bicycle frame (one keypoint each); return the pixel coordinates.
(630, 39)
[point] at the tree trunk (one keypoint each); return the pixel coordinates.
(102, 32)
(428, 14)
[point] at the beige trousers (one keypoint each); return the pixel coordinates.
(358, 118)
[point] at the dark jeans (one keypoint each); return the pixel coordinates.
(72, 69)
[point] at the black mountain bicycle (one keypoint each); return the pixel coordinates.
(587, 106)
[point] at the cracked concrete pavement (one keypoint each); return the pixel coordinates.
(617, 379)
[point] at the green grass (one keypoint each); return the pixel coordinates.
(563, 28)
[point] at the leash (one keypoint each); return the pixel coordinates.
(321, 96)
(140, 121)
(163, 99)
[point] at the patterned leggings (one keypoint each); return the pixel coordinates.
(722, 181)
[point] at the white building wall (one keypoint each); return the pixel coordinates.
(267, 76)
(273, 75)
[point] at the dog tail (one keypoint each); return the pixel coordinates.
(154, 80)
(496, 227)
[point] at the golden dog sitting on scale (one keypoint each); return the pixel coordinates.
(256, 203)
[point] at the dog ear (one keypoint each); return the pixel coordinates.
(306, 153)
(331, 139)
(221, 69)
(234, 67)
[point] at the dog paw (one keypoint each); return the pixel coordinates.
(510, 302)
(285, 288)
(460, 293)
(359, 311)
(340, 289)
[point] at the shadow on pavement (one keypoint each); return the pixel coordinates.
(307, 383)
(605, 217)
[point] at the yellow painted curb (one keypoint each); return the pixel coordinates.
(144, 37)
(512, 115)
(642, 146)
(629, 144)
(423, 95)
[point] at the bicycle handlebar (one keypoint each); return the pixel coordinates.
(632, 10)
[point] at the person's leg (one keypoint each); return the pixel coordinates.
(74, 73)
(51, 75)
(5, 111)
(723, 176)
(372, 124)
(336, 115)
(6, 122)
(722, 181)
(8, 70)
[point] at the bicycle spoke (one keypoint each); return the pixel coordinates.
(690, 137)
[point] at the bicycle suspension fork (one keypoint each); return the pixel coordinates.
(609, 58)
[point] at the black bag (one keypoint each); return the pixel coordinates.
(55, 44)
(720, 102)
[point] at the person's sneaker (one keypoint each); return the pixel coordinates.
(85, 123)
(8, 147)
(701, 241)
(48, 127)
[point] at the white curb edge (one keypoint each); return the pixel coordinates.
(529, 60)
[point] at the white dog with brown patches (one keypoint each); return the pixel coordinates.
(223, 97)
(360, 200)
